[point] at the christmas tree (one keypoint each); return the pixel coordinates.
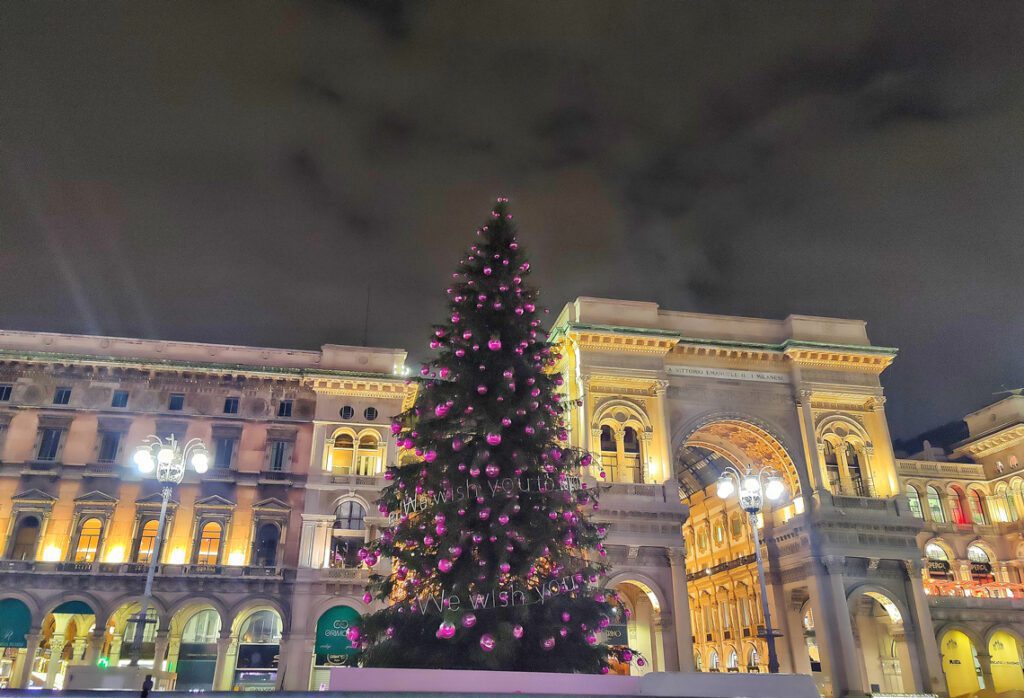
(494, 563)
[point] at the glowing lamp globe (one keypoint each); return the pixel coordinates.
(725, 487)
(750, 484)
(165, 455)
(774, 488)
(201, 462)
(144, 460)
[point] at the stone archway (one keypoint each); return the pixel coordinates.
(960, 662)
(879, 630)
(1004, 649)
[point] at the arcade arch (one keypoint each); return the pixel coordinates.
(882, 643)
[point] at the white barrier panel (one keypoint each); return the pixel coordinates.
(668, 685)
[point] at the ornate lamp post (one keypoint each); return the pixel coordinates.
(754, 487)
(168, 458)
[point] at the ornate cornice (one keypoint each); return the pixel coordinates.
(1002, 439)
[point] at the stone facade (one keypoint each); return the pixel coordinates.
(885, 574)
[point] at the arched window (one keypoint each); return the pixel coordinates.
(89, 533)
(208, 550)
(734, 661)
(268, 536)
(753, 659)
(343, 454)
(607, 439)
(831, 466)
(698, 662)
(203, 628)
(147, 541)
(726, 615)
(349, 520)
(1011, 504)
(368, 458)
(261, 628)
(25, 539)
(959, 505)
(976, 554)
(914, 500)
(350, 516)
(854, 469)
(935, 552)
(935, 510)
(630, 441)
(148, 632)
(713, 661)
(977, 507)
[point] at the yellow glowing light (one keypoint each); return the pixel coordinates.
(177, 556)
(116, 554)
(51, 554)
(236, 559)
(798, 504)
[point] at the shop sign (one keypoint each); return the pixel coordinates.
(616, 635)
(333, 647)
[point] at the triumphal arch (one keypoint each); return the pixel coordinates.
(670, 399)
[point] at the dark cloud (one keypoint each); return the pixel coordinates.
(243, 172)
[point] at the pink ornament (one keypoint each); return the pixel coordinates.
(367, 598)
(548, 644)
(517, 631)
(494, 344)
(640, 661)
(494, 439)
(430, 456)
(446, 631)
(468, 620)
(503, 519)
(487, 642)
(352, 634)
(492, 470)
(444, 564)
(481, 389)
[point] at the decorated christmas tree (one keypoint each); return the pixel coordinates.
(494, 563)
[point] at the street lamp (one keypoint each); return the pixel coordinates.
(754, 487)
(168, 458)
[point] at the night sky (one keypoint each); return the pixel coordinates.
(243, 173)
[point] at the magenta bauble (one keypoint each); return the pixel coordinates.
(548, 643)
(487, 642)
(446, 631)
(481, 389)
(492, 470)
(352, 634)
(517, 631)
(444, 564)
(503, 519)
(468, 620)
(494, 344)
(494, 439)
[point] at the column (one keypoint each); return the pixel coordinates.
(94, 644)
(78, 649)
(928, 656)
(845, 481)
(173, 652)
(646, 475)
(666, 473)
(297, 656)
(57, 643)
(817, 478)
(595, 447)
(833, 627)
(28, 658)
(159, 649)
(985, 660)
(866, 470)
(223, 674)
(115, 649)
(620, 455)
(681, 608)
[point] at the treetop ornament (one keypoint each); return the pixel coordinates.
(491, 555)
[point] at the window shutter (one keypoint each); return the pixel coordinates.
(60, 445)
(38, 443)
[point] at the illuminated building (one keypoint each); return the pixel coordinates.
(886, 574)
